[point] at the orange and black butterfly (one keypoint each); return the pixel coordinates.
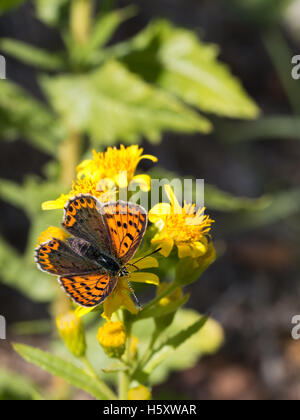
(104, 238)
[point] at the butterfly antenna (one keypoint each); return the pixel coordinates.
(148, 255)
(135, 298)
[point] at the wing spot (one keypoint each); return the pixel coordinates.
(125, 225)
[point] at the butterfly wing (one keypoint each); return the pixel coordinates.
(57, 257)
(83, 219)
(126, 224)
(90, 289)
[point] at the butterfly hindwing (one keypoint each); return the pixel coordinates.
(83, 219)
(126, 223)
(56, 257)
(88, 290)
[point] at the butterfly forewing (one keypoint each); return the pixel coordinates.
(83, 219)
(88, 290)
(126, 223)
(56, 257)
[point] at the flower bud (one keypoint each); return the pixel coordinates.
(71, 331)
(140, 392)
(112, 338)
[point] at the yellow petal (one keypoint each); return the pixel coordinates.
(144, 181)
(159, 211)
(81, 311)
(165, 243)
(148, 278)
(199, 249)
(128, 304)
(150, 157)
(121, 179)
(173, 200)
(55, 204)
(111, 304)
(184, 250)
(147, 262)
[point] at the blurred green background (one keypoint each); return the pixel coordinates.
(205, 86)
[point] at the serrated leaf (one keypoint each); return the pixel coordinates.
(113, 104)
(62, 368)
(33, 56)
(179, 62)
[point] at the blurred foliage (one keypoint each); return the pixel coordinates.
(122, 92)
(98, 93)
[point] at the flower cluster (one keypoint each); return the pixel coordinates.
(180, 232)
(103, 175)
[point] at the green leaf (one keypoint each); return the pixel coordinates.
(62, 368)
(221, 200)
(171, 344)
(21, 115)
(278, 207)
(207, 340)
(16, 387)
(50, 11)
(6, 5)
(32, 55)
(107, 23)
(113, 104)
(179, 62)
(268, 128)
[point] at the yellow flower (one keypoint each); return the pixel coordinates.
(101, 190)
(50, 233)
(120, 297)
(139, 392)
(112, 338)
(185, 227)
(118, 165)
(71, 331)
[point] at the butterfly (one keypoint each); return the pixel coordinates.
(104, 238)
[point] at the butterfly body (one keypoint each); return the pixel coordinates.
(105, 237)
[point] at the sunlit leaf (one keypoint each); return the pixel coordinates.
(179, 62)
(34, 56)
(113, 104)
(62, 368)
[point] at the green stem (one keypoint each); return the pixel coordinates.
(106, 391)
(165, 293)
(125, 377)
(69, 157)
(148, 352)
